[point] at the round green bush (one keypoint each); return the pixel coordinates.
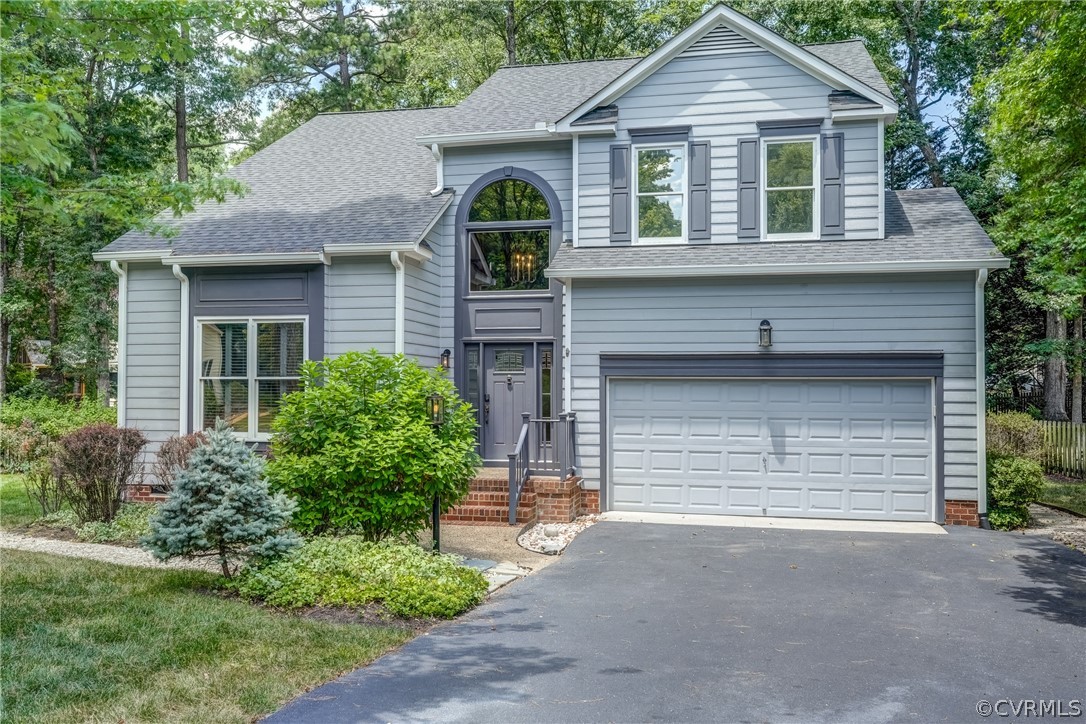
(1013, 484)
(355, 447)
(352, 571)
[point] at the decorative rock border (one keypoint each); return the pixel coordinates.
(552, 538)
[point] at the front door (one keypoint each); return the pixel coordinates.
(509, 391)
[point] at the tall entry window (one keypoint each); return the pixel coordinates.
(510, 246)
(246, 366)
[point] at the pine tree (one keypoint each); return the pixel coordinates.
(221, 506)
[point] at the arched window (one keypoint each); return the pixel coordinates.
(511, 259)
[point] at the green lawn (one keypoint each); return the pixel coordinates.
(1065, 494)
(15, 507)
(88, 641)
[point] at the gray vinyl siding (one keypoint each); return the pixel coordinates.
(722, 97)
(422, 300)
(152, 377)
(809, 314)
(360, 300)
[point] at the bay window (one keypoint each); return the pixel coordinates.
(790, 208)
(245, 368)
(660, 184)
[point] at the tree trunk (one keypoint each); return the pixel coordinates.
(54, 312)
(181, 119)
(1055, 368)
(510, 32)
(910, 85)
(104, 353)
(1077, 361)
(344, 62)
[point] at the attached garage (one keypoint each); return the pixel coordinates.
(802, 436)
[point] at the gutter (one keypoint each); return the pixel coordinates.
(982, 456)
(542, 131)
(397, 263)
(770, 269)
(183, 370)
(435, 149)
(121, 270)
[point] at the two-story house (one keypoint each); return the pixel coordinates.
(693, 251)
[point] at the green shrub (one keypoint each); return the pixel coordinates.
(220, 506)
(53, 417)
(355, 447)
(132, 522)
(1014, 434)
(351, 571)
(1013, 484)
(94, 465)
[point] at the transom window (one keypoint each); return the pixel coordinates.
(660, 181)
(791, 195)
(246, 366)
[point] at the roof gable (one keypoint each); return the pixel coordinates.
(723, 30)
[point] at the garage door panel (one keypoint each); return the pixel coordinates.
(822, 448)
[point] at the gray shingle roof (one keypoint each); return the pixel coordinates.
(339, 179)
(922, 225)
(517, 97)
(852, 57)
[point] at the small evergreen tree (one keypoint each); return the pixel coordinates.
(220, 506)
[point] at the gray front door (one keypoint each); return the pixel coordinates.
(510, 390)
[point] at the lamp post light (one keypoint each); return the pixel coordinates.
(435, 409)
(765, 334)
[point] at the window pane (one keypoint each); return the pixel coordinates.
(509, 260)
(509, 200)
(271, 394)
(789, 164)
(279, 348)
(223, 350)
(790, 212)
(227, 400)
(660, 216)
(660, 170)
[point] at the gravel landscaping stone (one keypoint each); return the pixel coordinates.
(552, 538)
(120, 555)
(1059, 525)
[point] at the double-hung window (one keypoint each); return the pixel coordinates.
(660, 183)
(245, 368)
(790, 209)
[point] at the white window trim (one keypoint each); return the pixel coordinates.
(636, 205)
(816, 176)
(251, 435)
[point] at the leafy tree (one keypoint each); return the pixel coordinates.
(356, 448)
(220, 507)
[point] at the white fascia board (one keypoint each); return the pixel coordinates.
(434, 221)
(784, 269)
(801, 58)
(145, 255)
(410, 248)
(486, 137)
(309, 257)
(863, 114)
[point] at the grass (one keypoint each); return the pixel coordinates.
(16, 508)
(88, 641)
(1065, 493)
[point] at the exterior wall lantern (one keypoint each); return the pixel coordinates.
(765, 334)
(445, 357)
(435, 409)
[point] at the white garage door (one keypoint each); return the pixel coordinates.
(858, 449)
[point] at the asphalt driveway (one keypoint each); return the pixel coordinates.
(663, 622)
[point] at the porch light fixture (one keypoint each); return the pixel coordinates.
(435, 408)
(445, 356)
(765, 334)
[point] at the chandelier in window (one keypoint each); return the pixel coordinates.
(522, 267)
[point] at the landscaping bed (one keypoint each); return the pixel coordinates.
(1059, 525)
(1066, 493)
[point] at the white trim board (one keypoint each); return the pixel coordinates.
(768, 522)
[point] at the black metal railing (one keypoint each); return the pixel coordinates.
(545, 445)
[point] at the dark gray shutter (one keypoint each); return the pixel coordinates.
(749, 215)
(620, 194)
(833, 184)
(698, 229)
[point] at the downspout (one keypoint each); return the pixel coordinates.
(982, 459)
(567, 345)
(183, 403)
(397, 263)
(121, 270)
(436, 151)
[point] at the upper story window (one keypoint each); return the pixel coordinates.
(790, 208)
(509, 244)
(660, 183)
(246, 366)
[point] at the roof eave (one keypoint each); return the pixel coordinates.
(795, 54)
(789, 269)
(134, 255)
(449, 140)
(862, 114)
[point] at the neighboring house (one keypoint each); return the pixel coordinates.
(693, 251)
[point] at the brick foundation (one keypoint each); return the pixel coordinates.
(143, 494)
(962, 512)
(543, 500)
(590, 502)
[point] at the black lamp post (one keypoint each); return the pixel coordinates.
(435, 409)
